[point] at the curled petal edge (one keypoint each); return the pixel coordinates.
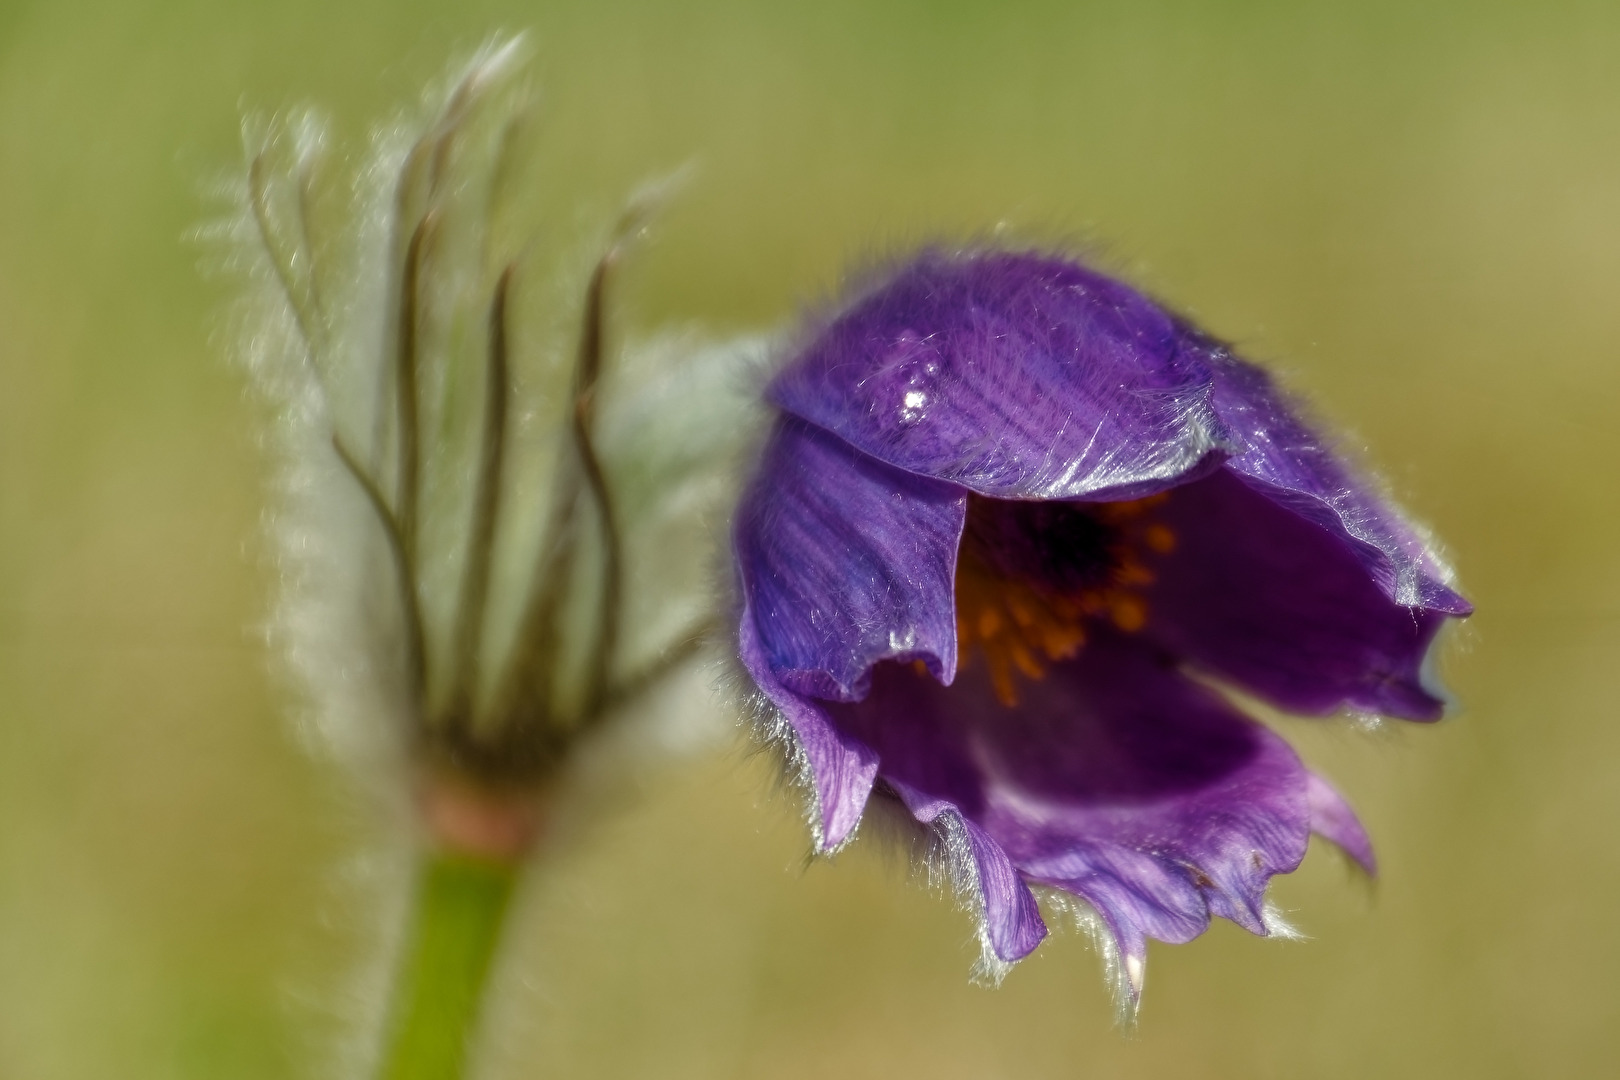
(1287, 461)
(1333, 820)
(1010, 923)
(837, 770)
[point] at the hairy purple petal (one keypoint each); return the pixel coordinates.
(842, 769)
(1012, 920)
(844, 562)
(1283, 608)
(1333, 820)
(1013, 375)
(1114, 775)
(1115, 778)
(1289, 463)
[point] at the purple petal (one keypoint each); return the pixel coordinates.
(842, 769)
(1012, 919)
(844, 562)
(1289, 463)
(1013, 375)
(1115, 778)
(1333, 820)
(1283, 608)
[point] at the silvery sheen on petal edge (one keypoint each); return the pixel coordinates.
(1012, 526)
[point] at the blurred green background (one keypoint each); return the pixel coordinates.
(1411, 209)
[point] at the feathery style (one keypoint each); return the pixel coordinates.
(490, 537)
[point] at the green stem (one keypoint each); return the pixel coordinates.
(461, 904)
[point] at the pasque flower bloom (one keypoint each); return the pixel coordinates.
(1013, 526)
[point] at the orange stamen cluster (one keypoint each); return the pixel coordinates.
(1021, 625)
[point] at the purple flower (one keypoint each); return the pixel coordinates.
(1013, 523)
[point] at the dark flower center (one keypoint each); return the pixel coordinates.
(1029, 575)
